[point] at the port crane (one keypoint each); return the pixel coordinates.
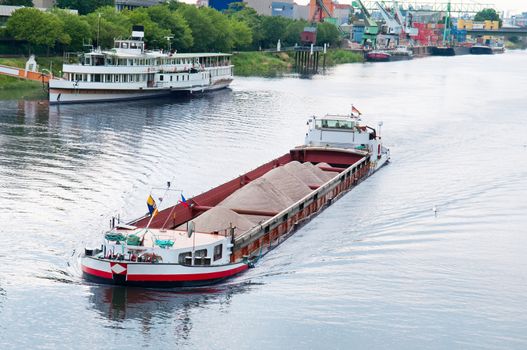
(320, 9)
(405, 22)
(371, 29)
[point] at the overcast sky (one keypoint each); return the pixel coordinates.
(513, 6)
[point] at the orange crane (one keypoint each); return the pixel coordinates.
(320, 9)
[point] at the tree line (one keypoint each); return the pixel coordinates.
(175, 25)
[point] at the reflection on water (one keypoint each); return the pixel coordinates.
(378, 269)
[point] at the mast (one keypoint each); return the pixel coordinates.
(447, 24)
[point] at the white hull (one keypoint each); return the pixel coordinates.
(62, 96)
(155, 274)
(59, 97)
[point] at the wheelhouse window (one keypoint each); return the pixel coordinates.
(334, 124)
(218, 250)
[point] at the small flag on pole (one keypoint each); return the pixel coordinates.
(183, 201)
(355, 110)
(152, 207)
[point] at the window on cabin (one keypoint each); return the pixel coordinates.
(200, 257)
(161, 77)
(182, 259)
(218, 250)
(334, 124)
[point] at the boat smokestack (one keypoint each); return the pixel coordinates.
(138, 32)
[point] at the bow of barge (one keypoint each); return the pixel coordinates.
(220, 233)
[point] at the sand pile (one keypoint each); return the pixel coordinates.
(218, 219)
(325, 175)
(287, 183)
(273, 192)
(259, 194)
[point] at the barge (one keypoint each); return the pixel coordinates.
(224, 231)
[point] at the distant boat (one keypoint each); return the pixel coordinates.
(378, 56)
(401, 53)
(498, 49)
(481, 50)
(443, 51)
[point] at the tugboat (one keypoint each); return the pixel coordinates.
(224, 231)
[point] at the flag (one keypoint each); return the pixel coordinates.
(183, 201)
(355, 110)
(151, 204)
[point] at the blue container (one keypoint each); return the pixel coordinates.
(221, 5)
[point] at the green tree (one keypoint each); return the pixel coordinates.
(223, 39)
(175, 23)
(203, 31)
(327, 33)
(273, 29)
(37, 27)
(293, 31)
(107, 24)
(487, 15)
(84, 6)
(155, 36)
(77, 27)
(242, 34)
(241, 12)
(26, 3)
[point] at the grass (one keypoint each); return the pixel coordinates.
(341, 56)
(265, 64)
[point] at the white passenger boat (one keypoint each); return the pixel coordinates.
(220, 233)
(129, 71)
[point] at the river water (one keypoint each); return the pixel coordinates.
(378, 269)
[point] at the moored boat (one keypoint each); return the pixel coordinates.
(443, 51)
(222, 232)
(401, 53)
(129, 71)
(481, 50)
(378, 56)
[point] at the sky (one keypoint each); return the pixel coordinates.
(511, 6)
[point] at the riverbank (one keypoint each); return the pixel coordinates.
(271, 64)
(53, 63)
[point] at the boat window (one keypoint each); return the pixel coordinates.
(200, 257)
(161, 77)
(182, 259)
(334, 124)
(218, 251)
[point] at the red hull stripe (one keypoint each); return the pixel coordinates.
(187, 277)
(97, 273)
